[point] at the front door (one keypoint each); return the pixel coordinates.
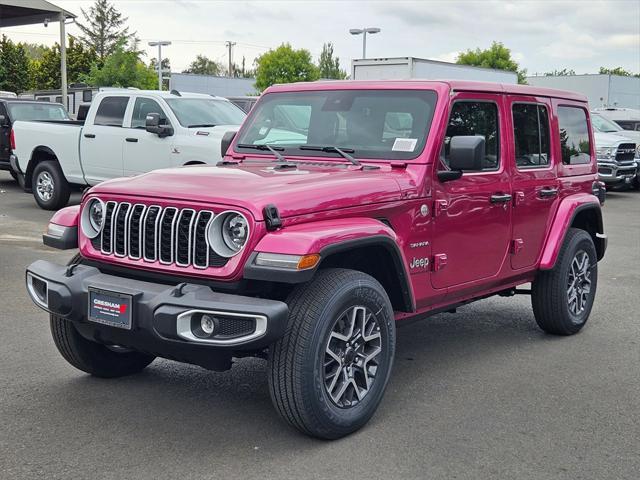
(534, 179)
(101, 141)
(472, 223)
(144, 151)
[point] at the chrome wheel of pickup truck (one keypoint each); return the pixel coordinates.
(328, 373)
(562, 297)
(44, 186)
(350, 358)
(579, 286)
(50, 188)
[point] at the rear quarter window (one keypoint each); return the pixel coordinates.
(111, 111)
(574, 136)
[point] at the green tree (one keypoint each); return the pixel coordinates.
(203, 65)
(328, 65)
(104, 28)
(46, 70)
(123, 68)
(560, 73)
(618, 71)
(285, 65)
(497, 56)
(166, 69)
(14, 66)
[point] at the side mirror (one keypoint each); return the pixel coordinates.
(152, 125)
(226, 141)
(467, 152)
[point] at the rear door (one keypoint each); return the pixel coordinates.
(101, 140)
(472, 215)
(535, 178)
(5, 129)
(144, 151)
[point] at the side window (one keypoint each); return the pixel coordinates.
(475, 118)
(574, 135)
(531, 135)
(142, 108)
(111, 111)
(87, 95)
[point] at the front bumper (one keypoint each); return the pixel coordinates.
(160, 314)
(613, 174)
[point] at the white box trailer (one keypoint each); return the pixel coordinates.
(405, 68)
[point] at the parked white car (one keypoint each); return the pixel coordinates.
(627, 118)
(126, 133)
(618, 152)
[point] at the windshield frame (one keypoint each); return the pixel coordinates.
(430, 95)
(10, 104)
(182, 121)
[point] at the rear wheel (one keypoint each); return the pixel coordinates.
(562, 298)
(94, 358)
(327, 375)
(50, 189)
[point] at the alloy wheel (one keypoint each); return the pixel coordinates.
(351, 356)
(44, 186)
(579, 283)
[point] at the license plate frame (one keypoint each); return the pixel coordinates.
(107, 307)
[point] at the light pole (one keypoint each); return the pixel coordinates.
(159, 44)
(363, 32)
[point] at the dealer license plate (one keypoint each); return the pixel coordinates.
(110, 308)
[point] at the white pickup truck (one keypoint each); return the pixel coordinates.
(126, 133)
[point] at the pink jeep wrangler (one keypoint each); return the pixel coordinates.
(340, 209)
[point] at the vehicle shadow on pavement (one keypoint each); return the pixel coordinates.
(170, 400)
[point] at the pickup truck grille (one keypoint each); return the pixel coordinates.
(626, 152)
(168, 235)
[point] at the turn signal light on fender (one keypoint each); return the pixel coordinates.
(308, 261)
(290, 262)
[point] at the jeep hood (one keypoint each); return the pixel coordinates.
(252, 186)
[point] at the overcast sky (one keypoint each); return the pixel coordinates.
(543, 35)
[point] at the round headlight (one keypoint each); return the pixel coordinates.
(228, 233)
(92, 219)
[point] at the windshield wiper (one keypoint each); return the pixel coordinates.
(264, 147)
(201, 125)
(343, 152)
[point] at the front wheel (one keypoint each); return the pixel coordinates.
(562, 298)
(50, 189)
(327, 375)
(94, 358)
(14, 175)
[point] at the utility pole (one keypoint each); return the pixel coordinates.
(63, 61)
(230, 46)
(159, 44)
(363, 32)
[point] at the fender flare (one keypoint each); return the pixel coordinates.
(567, 212)
(31, 164)
(329, 237)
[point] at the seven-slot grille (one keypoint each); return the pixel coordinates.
(167, 235)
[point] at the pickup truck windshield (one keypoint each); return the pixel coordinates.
(36, 111)
(376, 124)
(204, 112)
(603, 125)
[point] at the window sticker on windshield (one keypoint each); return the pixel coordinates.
(404, 145)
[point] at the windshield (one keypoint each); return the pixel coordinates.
(603, 125)
(205, 112)
(36, 111)
(376, 124)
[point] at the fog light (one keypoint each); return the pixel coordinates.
(207, 324)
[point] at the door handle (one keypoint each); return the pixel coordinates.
(132, 140)
(548, 192)
(501, 198)
(90, 135)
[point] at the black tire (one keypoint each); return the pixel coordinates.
(549, 294)
(635, 184)
(92, 357)
(14, 175)
(58, 196)
(297, 368)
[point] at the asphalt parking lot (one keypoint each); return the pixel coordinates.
(476, 395)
